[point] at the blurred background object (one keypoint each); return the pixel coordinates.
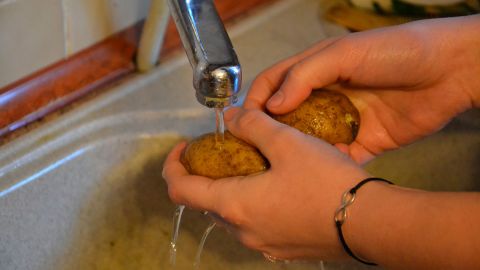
(68, 51)
(358, 15)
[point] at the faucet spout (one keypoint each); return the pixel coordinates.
(217, 73)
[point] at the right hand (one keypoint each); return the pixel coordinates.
(286, 211)
(407, 81)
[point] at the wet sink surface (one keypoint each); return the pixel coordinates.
(85, 191)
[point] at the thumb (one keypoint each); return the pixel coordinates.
(317, 71)
(195, 191)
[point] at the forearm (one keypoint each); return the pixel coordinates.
(409, 229)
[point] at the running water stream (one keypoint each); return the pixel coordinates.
(177, 216)
(196, 263)
(220, 125)
(220, 138)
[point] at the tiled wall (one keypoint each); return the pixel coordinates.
(36, 33)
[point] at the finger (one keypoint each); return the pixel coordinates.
(297, 255)
(270, 80)
(356, 152)
(258, 129)
(343, 148)
(266, 84)
(172, 165)
(222, 223)
(360, 154)
(320, 70)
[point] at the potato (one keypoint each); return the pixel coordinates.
(207, 157)
(327, 115)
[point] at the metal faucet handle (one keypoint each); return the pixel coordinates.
(216, 70)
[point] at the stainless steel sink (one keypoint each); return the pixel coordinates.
(85, 191)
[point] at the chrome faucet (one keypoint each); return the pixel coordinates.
(216, 71)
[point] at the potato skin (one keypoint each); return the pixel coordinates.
(204, 156)
(327, 115)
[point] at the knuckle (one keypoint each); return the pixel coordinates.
(264, 79)
(282, 135)
(347, 43)
(165, 171)
(248, 119)
(281, 255)
(266, 73)
(296, 73)
(174, 194)
(250, 241)
(352, 52)
(260, 78)
(233, 213)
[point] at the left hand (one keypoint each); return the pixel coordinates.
(407, 81)
(285, 212)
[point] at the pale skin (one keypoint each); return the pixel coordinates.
(407, 82)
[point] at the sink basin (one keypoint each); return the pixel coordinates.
(85, 191)
(94, 198)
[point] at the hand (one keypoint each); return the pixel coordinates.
(407, 81)
(287, 211)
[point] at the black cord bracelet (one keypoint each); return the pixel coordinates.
(341, 214)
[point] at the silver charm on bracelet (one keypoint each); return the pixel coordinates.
(341, 213)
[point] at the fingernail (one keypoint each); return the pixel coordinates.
(230, 113)
(276, 100)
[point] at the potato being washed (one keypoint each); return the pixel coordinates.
(325, 114)
(207, 157)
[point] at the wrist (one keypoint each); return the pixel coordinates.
(365, 229)
(334, 249)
